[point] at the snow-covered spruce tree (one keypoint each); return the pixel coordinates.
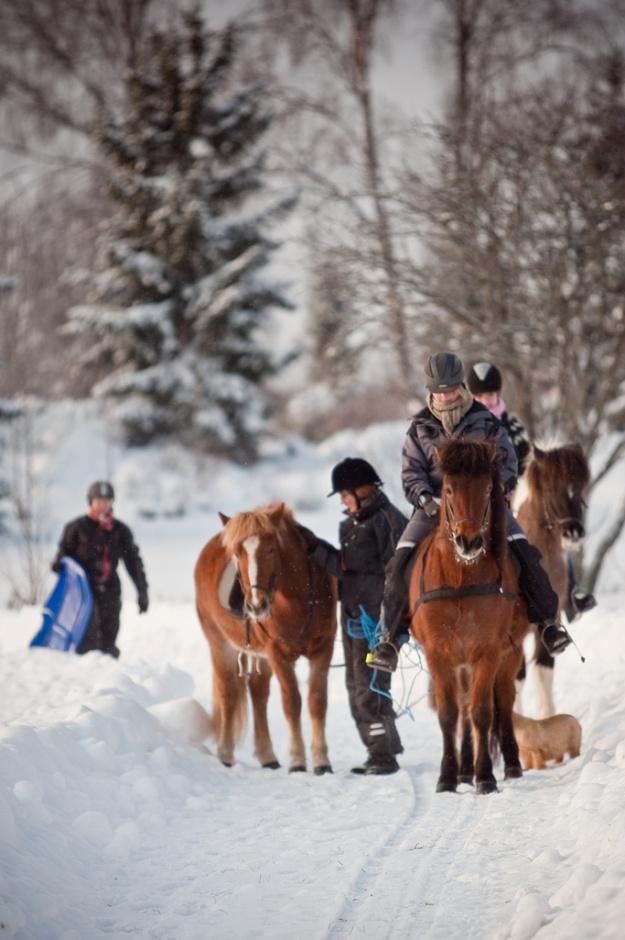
(175, 315)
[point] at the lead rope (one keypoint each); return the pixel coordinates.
(366, 628)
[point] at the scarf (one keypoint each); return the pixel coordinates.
(500, 408)
(450, 414)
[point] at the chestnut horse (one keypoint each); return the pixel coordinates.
(289, 611)
(469, 618)
(550, 503)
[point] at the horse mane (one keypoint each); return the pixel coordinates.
(264, 520)
(549, 469)
(479, 458)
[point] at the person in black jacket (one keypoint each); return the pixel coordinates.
(368, 536)
(485, 383)
(452, 414)
(97, 541)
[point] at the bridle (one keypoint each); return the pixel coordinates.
(271, 589)
(453, 525)
(553, 521)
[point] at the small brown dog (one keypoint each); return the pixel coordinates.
(546, 739)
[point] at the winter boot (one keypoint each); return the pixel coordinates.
(583, 601)
(378, 766)
(554, 637)
(579, 601)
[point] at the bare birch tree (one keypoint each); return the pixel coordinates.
(337, 39)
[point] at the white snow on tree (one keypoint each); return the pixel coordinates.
(175, 316)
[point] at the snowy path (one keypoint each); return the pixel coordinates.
(113, 824)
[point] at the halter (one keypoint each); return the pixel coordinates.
(558, 522)
(244, 668)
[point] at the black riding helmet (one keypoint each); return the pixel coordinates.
(442, 371)
(101, 489)
(351, 473)
(484, 377)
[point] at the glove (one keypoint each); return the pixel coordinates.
(143, 601)
(309, 537)
(429, 505)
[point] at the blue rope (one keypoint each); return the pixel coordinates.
(366, 628)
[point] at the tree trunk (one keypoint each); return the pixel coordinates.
(612, 536)
(362, 24)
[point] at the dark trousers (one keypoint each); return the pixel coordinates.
(373, 713)
(103, 626)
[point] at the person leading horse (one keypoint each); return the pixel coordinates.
(452, 414)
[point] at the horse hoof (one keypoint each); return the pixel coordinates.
(445, 786)
(272, 765)
(297, 769)
(466, 778)
(486, 786)
(512, 773)
(322, 769)
(227, 763)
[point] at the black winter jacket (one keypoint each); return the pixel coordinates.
(368, 541)
(421, 472)
(84, 540)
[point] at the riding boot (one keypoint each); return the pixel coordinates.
(394, 618)
(578, 601)
(382, 741)
(542, 600)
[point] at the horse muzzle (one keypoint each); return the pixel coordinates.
(257, 605)
(573, 534)
(469, 550)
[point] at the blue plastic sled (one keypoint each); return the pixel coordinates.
(67, 611)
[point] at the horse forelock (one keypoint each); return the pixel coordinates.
(468, 458)
(551, 470)
(259, 521)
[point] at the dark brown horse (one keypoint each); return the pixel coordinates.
(469, 619)
(550, 504)
(289, 611)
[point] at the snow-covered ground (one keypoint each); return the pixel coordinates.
(116, 820)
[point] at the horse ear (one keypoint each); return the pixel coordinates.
(224, 519)
(277, 513)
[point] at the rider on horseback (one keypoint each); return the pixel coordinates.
(451, 413)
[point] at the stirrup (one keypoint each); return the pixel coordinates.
(557, 641)
(384, 656)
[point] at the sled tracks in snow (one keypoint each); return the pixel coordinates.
(400, 891)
